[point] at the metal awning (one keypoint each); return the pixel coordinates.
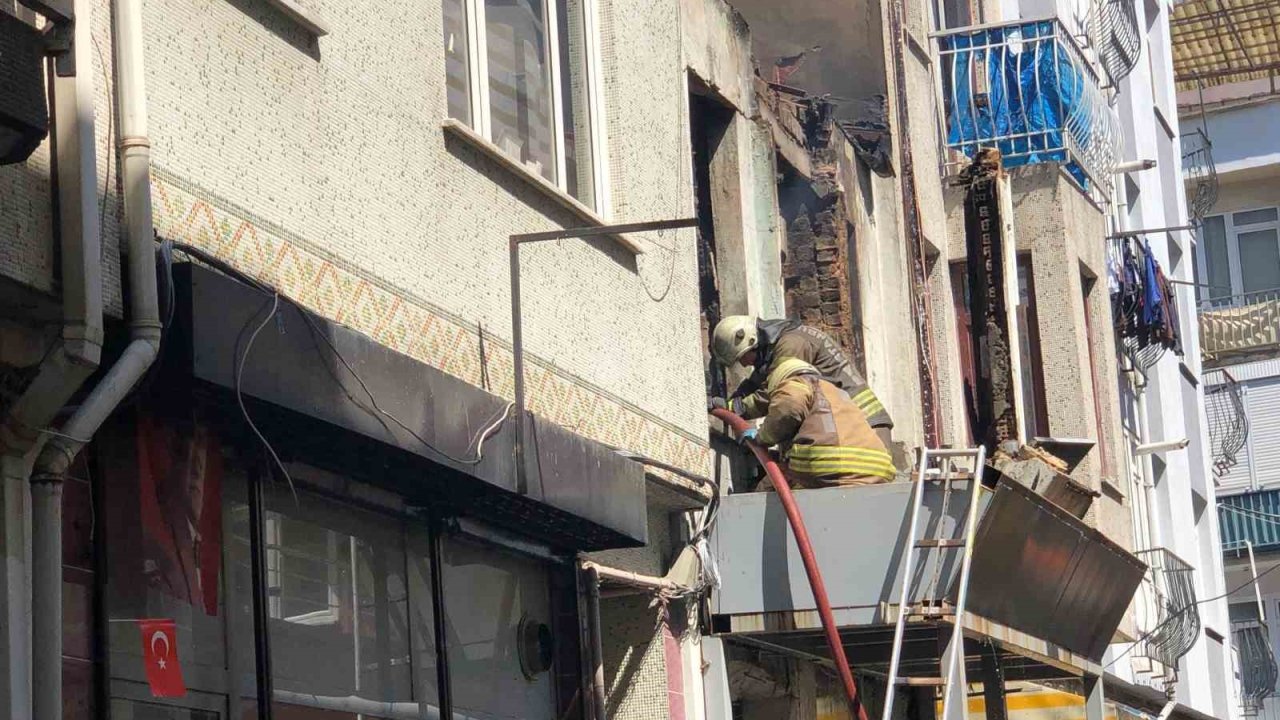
(1216, 42)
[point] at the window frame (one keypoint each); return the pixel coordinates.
(1232, 233)
(481, 120)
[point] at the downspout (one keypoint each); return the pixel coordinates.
(144, 328)
(69, 362)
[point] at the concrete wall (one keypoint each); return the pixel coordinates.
(1244, 137)
(1262, 190)
(1060, 230)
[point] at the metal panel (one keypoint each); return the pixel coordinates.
(1039, 570)
(858, 536)
(581, 494)
(1036, 568)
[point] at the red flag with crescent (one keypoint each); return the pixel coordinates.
(160, 654)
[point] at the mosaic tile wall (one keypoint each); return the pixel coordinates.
(413, 327)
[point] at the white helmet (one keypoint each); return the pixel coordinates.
(733, 337)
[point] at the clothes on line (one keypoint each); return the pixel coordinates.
(1143, 301)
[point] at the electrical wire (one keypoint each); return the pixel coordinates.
(275, 307)
(490, 427)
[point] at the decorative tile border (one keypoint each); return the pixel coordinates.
(409, 325)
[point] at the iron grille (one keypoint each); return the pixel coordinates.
(1174, 617)
(1026, 89)
(1113, 27)
(1200, 174)
(1258, 672)
(1228, 422)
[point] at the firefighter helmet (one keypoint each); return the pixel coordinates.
(733, 337)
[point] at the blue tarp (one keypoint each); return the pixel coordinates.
(1033, 88)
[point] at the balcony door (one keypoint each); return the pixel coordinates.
(1239, 257)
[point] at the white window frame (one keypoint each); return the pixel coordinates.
(1233, 232)
(478, 85)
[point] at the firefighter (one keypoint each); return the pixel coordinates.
(822, 436)
(761, 345)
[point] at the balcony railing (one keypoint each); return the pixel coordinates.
(1200, 174)
(1027, 89)
(1168, 611)
(1113, 31)
(1235, 325)
(1228, 422)
(1258, 671)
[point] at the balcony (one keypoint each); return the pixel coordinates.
(1257, 663)
(1234, 326)
(1166, 608)
(1199, 173)
(1027, 89)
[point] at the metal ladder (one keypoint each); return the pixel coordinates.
(954, 685)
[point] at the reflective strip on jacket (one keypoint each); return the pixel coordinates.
(823, 434)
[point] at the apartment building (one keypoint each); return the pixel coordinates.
(260, 347)
(1229, 107)
(342, 229)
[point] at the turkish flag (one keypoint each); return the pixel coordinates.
(160, 654)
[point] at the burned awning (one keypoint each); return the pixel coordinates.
(420, 435)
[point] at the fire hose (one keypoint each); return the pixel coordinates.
(806, 554)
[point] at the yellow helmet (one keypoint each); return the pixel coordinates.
(732, 338)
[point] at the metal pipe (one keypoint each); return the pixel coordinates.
(517, 323)
(1154, 533)
(597, 648)
(816, 584)
(625, 577)
(145, 328)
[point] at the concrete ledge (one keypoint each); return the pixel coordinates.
(465, 133)
(309, 19)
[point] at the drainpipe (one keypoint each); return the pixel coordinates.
(69, 362)
(144, 326)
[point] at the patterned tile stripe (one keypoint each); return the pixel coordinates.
(406, 326)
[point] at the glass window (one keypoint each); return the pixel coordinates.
(1253, 217)
(534, 104)
(1259, 260)
(578, 178)
(337, 604)
(498, 616)
(1213, 237)
(457, 62)
(520, 82)
(1239, 611)
(163, 480)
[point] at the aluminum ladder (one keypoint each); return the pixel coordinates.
(938, 467)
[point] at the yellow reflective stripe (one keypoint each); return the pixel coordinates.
(864, 396)
(817, 451)
(872, 408)
(843, 468)
(819, 459)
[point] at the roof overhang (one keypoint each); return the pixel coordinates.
(1216, 42)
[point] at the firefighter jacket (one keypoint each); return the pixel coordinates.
(781, 340)
(823, 436)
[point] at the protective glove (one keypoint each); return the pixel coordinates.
(716, 403)
(748, 434)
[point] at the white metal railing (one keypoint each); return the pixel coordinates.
(1168, 609)
(1027, 89)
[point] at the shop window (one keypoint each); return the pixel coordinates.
(500, 643)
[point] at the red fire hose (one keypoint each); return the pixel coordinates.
(806, 554)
